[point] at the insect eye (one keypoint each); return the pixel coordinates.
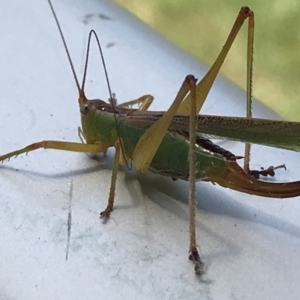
(84, 109)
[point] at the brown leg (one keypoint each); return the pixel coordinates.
(106, 213)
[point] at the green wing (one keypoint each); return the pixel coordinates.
(273, 133)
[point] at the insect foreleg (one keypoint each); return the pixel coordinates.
(81, 135)
(58, 145)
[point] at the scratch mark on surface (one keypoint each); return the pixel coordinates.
(104, 17)
(109, 45)
(69, 221)
(88, 17)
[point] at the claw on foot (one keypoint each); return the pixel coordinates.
(266, 172)
(199, 264)
(104, 215)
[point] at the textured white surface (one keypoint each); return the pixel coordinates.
(250, 244)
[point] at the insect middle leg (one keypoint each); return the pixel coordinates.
(110, 204)
(144, 103)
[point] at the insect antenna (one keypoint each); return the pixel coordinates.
(112, 102)
(82, 98)
(80, 91)
(93, 33)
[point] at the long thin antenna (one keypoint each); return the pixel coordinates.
(92, 32)
(82, 97)
(80, 91)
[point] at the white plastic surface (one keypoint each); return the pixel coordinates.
(250, 244)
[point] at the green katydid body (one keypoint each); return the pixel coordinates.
(171, 159)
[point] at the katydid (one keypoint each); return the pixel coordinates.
(156, 140)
